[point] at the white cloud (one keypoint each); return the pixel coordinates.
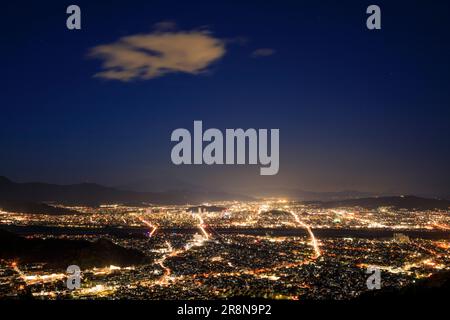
(147, 56)
(263, 52)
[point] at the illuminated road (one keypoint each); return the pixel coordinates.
(167, 277)
(164, 280)
(152, 227)
(201, 226)
(314, 243)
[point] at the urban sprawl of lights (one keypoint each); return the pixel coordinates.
(269, 249)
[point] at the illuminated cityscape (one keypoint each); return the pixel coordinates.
(274, 249)
(223, 158)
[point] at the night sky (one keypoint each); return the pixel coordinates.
(357, 109)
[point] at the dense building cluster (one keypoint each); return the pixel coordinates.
(267, 249)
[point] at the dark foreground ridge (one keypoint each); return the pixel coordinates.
(59, 254)
(434, 288)
(34, 208)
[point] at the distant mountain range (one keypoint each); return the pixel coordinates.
(30, 196)
(37, 197)
(160, 184)
(305, 195)
(400, 202)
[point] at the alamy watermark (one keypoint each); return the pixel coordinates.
(73, 21)
(374, 280)
(74, 278)
(236, 146)
(373, 22)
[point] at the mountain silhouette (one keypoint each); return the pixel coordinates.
(399, 202)
(92, 194)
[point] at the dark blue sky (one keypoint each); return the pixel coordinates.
(357, 109)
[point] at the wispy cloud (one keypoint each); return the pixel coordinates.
(163, 51)
(263, 52)
(167, 25)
